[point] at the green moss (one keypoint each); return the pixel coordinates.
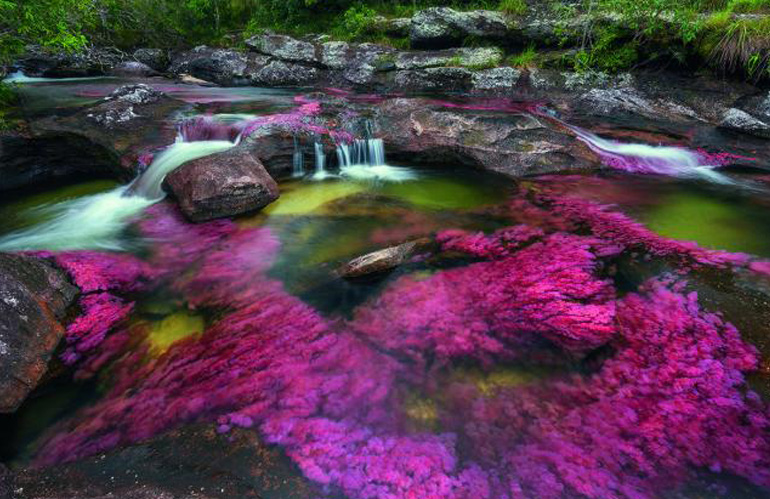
(524, 59)
(513, 7)
(173, 328)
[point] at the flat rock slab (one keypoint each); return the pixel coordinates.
(222, 185)
(34, 298)
(383, 260)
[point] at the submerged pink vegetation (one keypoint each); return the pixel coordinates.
(665, 402)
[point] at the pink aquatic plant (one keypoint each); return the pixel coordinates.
(663, 399)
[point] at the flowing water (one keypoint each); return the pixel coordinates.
(600, 335)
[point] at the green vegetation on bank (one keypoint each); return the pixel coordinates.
(7, 101)
(732, 36)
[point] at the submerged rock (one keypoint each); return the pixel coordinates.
(741, 121)
(190, 462)
(222, 185)
(382, 260)
(34, 298)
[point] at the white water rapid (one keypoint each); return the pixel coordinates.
(97, 221)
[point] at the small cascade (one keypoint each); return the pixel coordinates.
(364, 159)
(206, 128)
(149, 184)
(97, 222)
(298, 159)
(320, 163)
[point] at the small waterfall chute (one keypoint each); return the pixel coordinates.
(97, 221)
(364, 159)
(298, 160)
(320, 163)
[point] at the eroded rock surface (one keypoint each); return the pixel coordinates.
(34, 298)
(222, 185)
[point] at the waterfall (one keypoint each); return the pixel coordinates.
(364, 159)
(320, 163)
(97, 221)
(298, 159)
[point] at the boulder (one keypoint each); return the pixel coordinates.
(418, 131)
(157, 59)
(133, 69)
(285, 74)
(741, 121)
(434, 79)
(222, 66)
(39, 61)
(364, 60)
(284, 48)
(467, 57)
(115, 131)
(34, 299)
(496, 79)
(222, 185)
(383, 260)
(442, 27)
(190, 462)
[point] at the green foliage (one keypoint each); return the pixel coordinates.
(513, 7)
(524, 59)
(359, 22)
(8, 99)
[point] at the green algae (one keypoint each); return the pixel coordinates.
(173, 328)
(709, 221)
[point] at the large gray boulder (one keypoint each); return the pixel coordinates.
(285, 74)
(34, 298)
(222, 185)
(418, 131)
(284, 47)
(442, 27)
(157, 59)
(222, 66)
(741, 121)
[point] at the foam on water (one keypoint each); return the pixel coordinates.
(97, 222)
(364, 159)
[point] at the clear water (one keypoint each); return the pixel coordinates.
(320, 225)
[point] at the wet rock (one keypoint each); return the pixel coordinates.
(442, 27)
(741, 121)
(222, 66)
(191, 80)
(185, 463)
(26, 160)
(606, 101)
(764, 106)
(383, 260)
(133, 69)
(334, 55)
(283, 47)
(222, 185)
(434, 79)
(34, 298)
(38, 61)
(284, 74)
(471, 57)
(515, 144)
(118, 129)
(122, 105)
(364, 62)
(157, 59)
(7, 484)
(504, 78)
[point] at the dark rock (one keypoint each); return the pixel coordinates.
(133, 69)
(285, 74)
(274, 146)
(157, 59)
(7, 484)
(420, 132)
(222, 185)
(397, 28)
(191, 462)
(34, 298)
(118, 128)
(442, 27)
(364, 61)
(221, 66)
(51, 156)
(435, 79)
(383, 260)
(38, 61)
(741, 121)
(284, 48)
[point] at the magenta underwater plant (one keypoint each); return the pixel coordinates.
(663, 402)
